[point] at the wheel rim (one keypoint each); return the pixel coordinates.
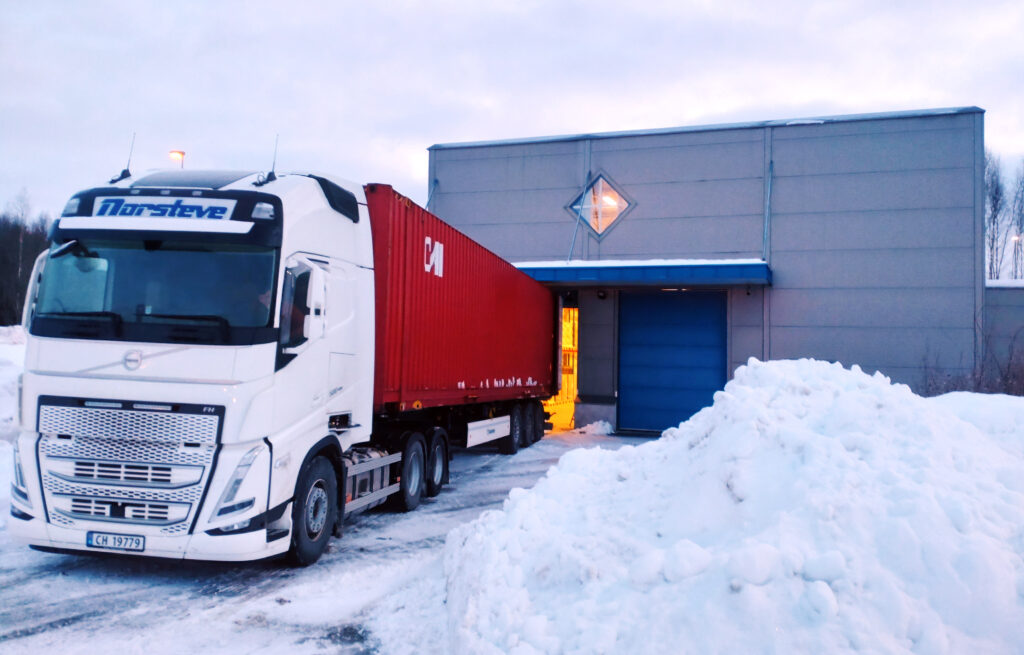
(415, 471)
(316, 509)
(438, 473)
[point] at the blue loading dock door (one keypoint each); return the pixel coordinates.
(672, 356)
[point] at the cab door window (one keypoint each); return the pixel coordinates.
(294, 308)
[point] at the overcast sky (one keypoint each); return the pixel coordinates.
(362, 89)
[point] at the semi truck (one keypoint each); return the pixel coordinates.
(226, 365)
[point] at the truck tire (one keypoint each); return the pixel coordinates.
(437, 462)
(412, 482)
(314, 511)
(539, 421)
(511, 444)
(529, 424)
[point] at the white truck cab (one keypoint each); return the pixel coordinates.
(183, 360)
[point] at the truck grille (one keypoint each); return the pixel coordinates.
(91, 471)
(117, 472)
(126, 462)
(129, 423)
(119, 511)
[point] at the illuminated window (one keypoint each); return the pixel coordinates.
(599, 205)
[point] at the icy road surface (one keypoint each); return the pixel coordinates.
(92, 604)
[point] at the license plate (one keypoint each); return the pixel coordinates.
(115, 541)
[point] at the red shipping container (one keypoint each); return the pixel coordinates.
(456, 324)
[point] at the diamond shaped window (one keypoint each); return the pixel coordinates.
(599, 205)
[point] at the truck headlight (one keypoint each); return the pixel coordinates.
(227, 504)
(19, 491)
(21, 412)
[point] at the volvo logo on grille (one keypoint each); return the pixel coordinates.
(132, 359)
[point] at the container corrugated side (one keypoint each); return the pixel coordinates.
(456, 323)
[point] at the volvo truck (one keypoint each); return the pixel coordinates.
(225, 365)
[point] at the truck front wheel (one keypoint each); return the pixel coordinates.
(314, 511)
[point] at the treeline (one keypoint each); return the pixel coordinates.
(21, 240)
(1004, 221)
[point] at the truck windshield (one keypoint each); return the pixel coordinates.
(157, 290)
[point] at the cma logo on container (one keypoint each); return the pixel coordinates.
(433, 257)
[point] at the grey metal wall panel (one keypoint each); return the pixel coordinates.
(745, 326)
(873, 244)
(690, 163)
(869, 153)
(906, 228)
(907, 189)
(873, 269)
(900, 307)
(699, 237)
(746, 307)
(1004, 325)
(597, 339)
(730, 197)
(745, 342)
(877, 348)
(511, 173)
(515, 208)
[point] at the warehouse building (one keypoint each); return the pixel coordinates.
(680, 253)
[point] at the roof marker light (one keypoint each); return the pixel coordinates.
(71, 209)
(263, 210)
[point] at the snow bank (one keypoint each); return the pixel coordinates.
(810, 509)
(597, 428)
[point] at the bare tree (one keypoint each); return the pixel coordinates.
(996, 228)
(1016, 221)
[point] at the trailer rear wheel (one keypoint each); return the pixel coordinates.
(437, 462)
(511, 444)
(412, 482)
(529, 424)
(538, 418)
(314, 511)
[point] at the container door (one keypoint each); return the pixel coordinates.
(672, 356)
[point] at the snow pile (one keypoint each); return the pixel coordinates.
(810, 509)
(598, 428)
(12, 334)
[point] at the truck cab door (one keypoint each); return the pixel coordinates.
(303, 304)
(304, 353)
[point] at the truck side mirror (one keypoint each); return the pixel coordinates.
(303, 306)
(33, 288)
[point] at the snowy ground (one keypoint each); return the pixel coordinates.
(386, 563)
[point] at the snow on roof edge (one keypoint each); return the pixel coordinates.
(842, 118)
(634, 263)
(1004, 284)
